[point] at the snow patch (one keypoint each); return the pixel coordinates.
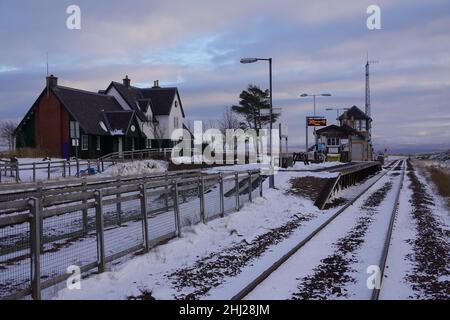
(135, 168)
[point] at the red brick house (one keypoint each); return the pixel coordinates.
(66, 122)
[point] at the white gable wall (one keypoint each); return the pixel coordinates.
(168, 122)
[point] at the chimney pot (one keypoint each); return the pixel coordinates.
(126, 82)
(52, 81)
(156, 84)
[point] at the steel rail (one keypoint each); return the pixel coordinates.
(387, 242)
(265, 274)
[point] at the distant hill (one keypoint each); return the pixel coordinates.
(438, 156)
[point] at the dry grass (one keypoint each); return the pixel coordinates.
(441, 179)
(24, 153)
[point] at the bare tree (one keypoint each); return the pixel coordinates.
(229, 120)
(7, 129)
(159, 132)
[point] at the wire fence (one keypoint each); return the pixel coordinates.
(11, 171)
(44, 233)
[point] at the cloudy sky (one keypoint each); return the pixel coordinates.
(317, 46)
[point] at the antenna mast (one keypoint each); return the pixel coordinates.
(368, 106)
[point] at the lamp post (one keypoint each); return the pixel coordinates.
(337, 111)
(304, 95)
(253, 60)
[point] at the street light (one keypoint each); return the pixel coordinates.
(304, 95)
(253, 60)
(337, 111)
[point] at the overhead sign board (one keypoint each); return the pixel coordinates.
(316, 121)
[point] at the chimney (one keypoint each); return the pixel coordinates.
(52, 81)
(156, 84)
(126, 82)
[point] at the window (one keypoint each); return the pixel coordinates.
(98, 143)
(148, 143)
(84, 142)
(74, 130)
(333, 141)
(175, 122)
(363, 125)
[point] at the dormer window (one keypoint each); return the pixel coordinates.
(176, 104)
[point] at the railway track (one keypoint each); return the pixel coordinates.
(398, 165)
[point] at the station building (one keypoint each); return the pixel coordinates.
(351, 140)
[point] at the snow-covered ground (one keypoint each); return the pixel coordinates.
(169, 271)
(151, 272)
(135, 168)
(56, 169)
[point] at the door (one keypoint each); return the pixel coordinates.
(357, 152)
(120, 145)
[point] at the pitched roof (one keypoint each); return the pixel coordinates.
(130, 95)
(161, 99)
(355, 112)
(118, 122)
(86, 107)
(345, 130)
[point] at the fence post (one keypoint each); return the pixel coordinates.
(85, 211)
(64, 169)
(17, 172)
(143, 194)
(100, 231)
(35, 238)
(70, 168)
(119, 204)
(78, 167)
(201, 185)
(238, 205)
(250, 186)
(260, 184)
(166, 195)
(34, 171)
(222, 200)
(176, 208)
(40, 197)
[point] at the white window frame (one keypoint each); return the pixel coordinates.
(84, 142)
(148, 143)
(175, 122)
(99, 147)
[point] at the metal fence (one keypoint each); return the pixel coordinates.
(44, 232)
(46, 170)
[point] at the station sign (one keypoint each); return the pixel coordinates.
(316, 121)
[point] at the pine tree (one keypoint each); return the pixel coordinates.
(252, 101)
